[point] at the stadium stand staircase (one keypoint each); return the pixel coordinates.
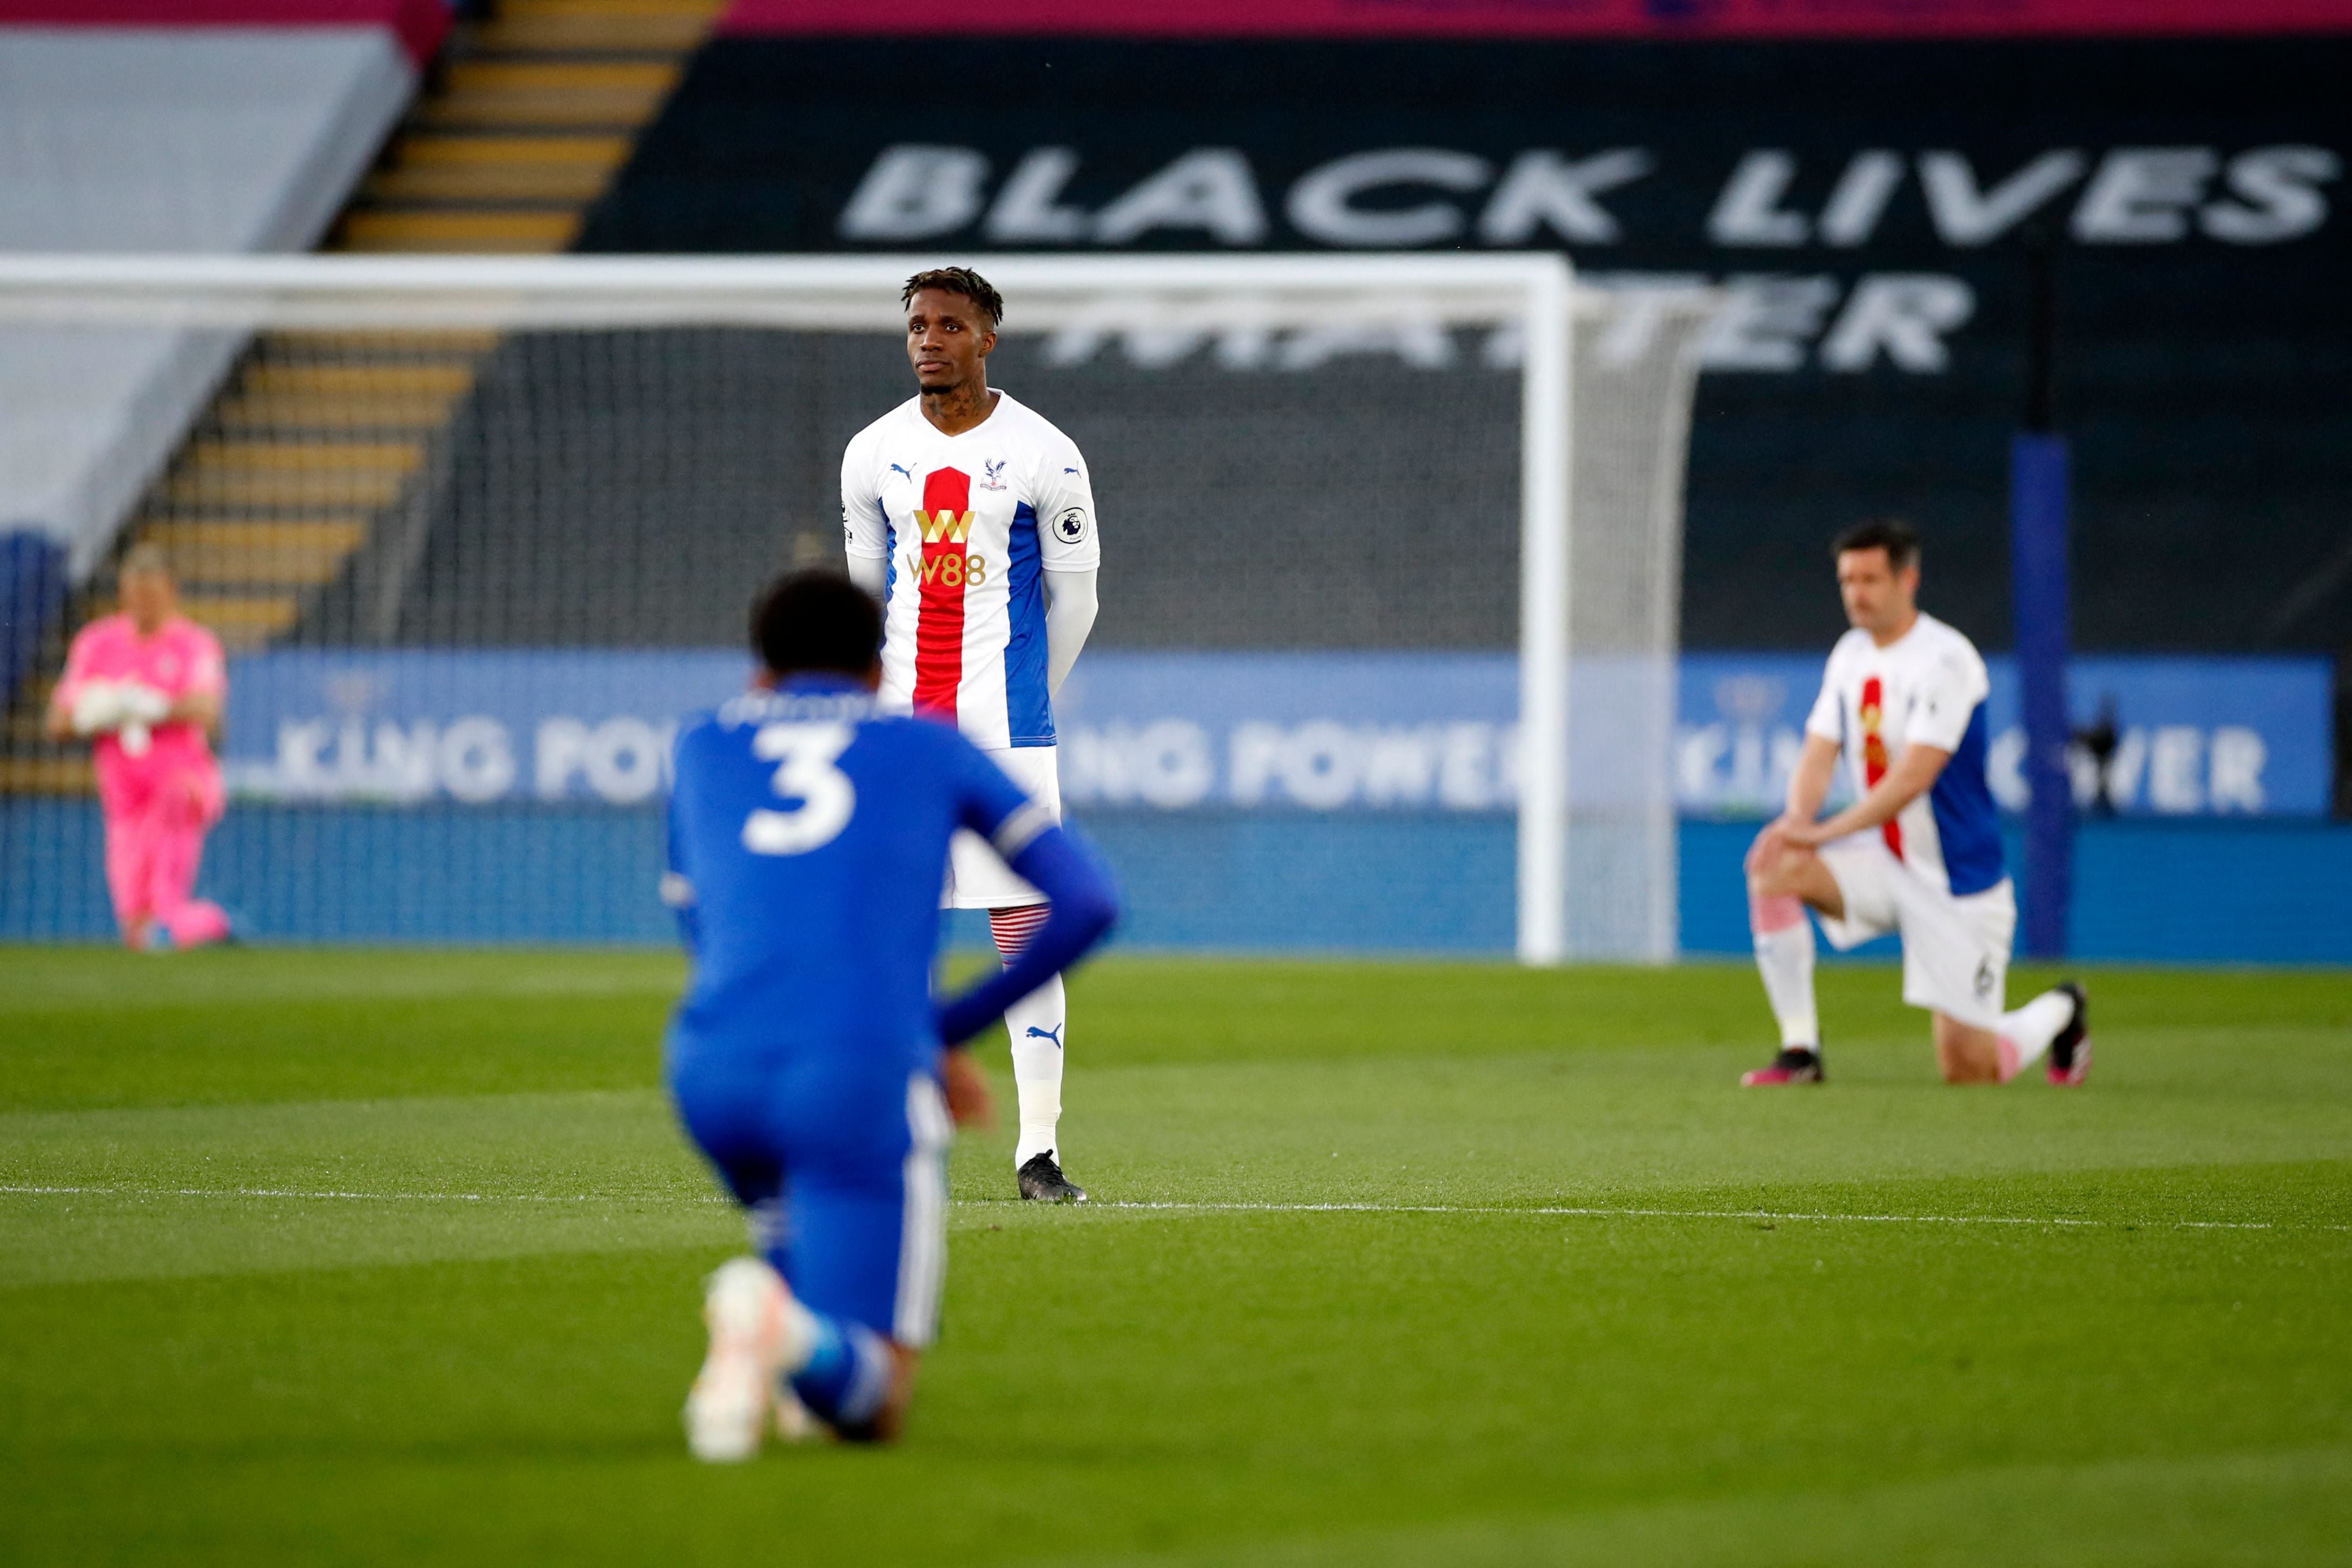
(314, 439)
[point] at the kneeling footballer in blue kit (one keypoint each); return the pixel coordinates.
(808, 1060)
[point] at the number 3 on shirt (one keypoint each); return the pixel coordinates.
(806, 754)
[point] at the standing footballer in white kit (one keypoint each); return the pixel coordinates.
(973, 519)
(1903, 699)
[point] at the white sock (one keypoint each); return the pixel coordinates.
(1037, 1024)
(2027, 1033)
(1784, 956)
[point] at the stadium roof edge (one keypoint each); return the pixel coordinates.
(420, 25)
(1564, 19)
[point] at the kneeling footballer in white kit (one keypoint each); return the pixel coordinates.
(973, 519)
(1918, 852)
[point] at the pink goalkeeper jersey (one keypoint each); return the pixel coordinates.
(182, 658)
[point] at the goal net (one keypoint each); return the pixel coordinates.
(1391, 560)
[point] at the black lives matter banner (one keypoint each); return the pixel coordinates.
(1415, 197)
(1865, 205)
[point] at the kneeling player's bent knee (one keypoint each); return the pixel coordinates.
(1965, 1052)
(1773, 875)
(872, 1247)
(1779, 892)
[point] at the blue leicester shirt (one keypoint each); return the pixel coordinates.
(808, 837)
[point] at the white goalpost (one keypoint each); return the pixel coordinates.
(359, 458)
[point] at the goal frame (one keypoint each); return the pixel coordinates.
(1536, 289)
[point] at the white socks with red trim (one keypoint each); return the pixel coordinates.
(1036, 1025)
(1784, 956)
(2026, 1033)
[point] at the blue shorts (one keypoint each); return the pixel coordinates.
(844, 1173)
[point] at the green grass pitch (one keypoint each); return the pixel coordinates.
(395, 1257)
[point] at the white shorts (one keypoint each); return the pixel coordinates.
(1954, 950)
(978, 877)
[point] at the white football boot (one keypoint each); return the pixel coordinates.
(756, 1331)
(793, 1422)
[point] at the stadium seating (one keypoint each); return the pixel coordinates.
(138, 126)
(271, 486)
(309, 443)
(539, 103)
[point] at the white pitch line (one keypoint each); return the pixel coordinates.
(1547, 1211)
(323, 1197)
(1595, 1213)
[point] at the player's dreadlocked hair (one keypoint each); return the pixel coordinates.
(816, 620)
(960, 280)
(1891, 534)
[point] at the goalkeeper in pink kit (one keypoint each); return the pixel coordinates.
(147, 685)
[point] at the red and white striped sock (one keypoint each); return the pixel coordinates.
(1014, 928)
(1036, 1025)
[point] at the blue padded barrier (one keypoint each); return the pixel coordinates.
(2198, 891)
(32, 596)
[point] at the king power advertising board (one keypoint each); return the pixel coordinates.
(1864, 209)
(1173, 732)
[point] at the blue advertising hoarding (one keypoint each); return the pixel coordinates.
(476, 727)
(2202, 736)
(1181, 731)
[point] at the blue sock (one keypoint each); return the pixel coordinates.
(847, 1375)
